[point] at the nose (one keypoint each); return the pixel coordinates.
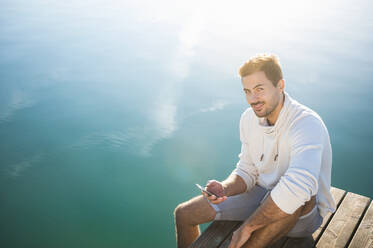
(253, 99)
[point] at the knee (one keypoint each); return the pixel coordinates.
(181, 212)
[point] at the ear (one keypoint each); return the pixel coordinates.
(281, 84)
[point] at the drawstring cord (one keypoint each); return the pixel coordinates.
(276, 151)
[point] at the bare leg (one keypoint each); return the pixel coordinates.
(188, 216)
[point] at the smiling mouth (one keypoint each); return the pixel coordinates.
(257, 106)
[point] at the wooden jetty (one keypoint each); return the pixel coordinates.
(350, 226)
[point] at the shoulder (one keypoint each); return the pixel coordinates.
(305, 116)
(247, 115)
(245, 122)
(306, 122)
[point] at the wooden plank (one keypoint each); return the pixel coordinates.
(227, 241)
(342, 225)
(215, 234)
(279, 243)
(363, 237)
(338, 195)
(304, 242)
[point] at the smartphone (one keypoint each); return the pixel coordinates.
(207, 192)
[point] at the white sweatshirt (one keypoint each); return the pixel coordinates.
(302, 167)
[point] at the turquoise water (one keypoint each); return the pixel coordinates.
(110, 111)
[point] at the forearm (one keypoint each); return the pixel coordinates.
(267, 213)
(234, 185)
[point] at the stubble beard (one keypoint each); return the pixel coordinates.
(267, 111)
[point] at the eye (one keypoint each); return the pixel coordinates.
(259, 90)
(246, 91)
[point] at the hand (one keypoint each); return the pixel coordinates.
(217, 188)
(240, 236)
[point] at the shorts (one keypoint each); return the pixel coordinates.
(240, 207)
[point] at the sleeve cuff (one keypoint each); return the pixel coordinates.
(250, 180)
(285, 200)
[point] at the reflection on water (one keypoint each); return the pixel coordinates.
(15, 100)
(111, 111)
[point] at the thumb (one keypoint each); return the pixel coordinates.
(210, 182)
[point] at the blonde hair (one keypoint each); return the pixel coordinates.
(268, 63)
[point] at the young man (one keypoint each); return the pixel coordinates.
(281, 184)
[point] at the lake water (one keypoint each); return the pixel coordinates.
(110, 111)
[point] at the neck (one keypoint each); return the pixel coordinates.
(272, 117)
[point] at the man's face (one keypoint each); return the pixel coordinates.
(263, 97)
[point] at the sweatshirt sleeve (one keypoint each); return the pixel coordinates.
(245, 168)
(300, 181)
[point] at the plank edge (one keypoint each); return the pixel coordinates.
(359, 222)
(332, 215)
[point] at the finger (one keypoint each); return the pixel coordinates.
(212, 198)
(219, 200)
(234, 242)
(232, 245)
(237, 239)
(216, 201)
